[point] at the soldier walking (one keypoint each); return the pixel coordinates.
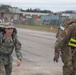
(66, 44)
(7, 44)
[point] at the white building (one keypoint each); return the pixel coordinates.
(69, 15)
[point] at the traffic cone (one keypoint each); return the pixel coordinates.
(51, 29)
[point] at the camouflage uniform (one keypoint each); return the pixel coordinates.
(65, 24)
(6, 49)
(68, 54)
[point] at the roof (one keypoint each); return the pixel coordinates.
(35, 13)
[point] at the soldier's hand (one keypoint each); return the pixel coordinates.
(18, 62)
(56, 57)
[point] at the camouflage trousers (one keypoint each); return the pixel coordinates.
(5, 69)
(68, 56)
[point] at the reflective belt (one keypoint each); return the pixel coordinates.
(72, 42)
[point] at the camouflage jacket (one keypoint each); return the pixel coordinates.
(67, 22)
(6, 48)
(64, 37)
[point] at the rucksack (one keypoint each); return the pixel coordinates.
(13, 34)
(67, 22)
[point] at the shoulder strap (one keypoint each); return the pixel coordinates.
(14, 37)
(1, 38)
(61, 27)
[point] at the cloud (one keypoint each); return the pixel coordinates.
(39, 1)
(54, 5)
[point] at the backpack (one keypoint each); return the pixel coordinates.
(13, 34)
(67, 22)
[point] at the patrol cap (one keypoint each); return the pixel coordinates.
(9, 25)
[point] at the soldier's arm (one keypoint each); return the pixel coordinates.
(63, 38)
(18, 49)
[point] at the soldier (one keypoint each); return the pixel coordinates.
(7, 44)
(66, 44)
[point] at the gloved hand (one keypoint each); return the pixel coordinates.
(56, 57)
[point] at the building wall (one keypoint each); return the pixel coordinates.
(49, 20)
(10, 17)
(73, 16)
(37, 19)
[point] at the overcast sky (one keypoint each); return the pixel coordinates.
(53, 5)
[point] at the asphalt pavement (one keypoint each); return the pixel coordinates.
(38, 52)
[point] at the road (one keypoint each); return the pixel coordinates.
(38, 52)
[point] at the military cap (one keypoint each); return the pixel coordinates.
(9, 25)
